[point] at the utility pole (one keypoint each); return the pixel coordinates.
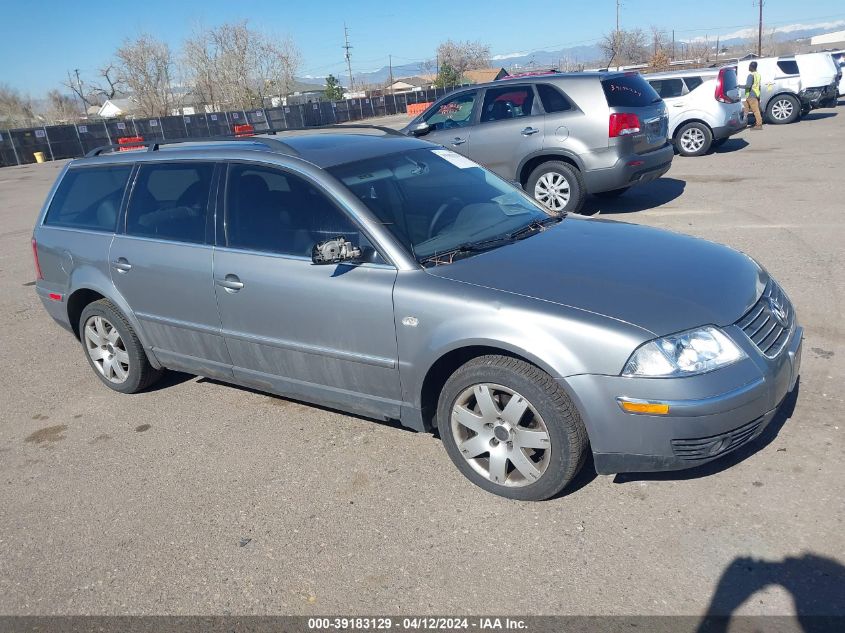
(673, 44)
(618, 2)
(760, 4)
(390, 66)
(346, 47)
(81, 96)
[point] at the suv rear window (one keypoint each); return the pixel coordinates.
(788, 66)
(169, 201)
(628, 91)
(89, 198)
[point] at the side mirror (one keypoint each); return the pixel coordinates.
(420, 129)
(334, 251)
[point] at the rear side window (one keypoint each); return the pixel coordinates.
(788, 66)
(628, 91)
(511, 102)
(89, 198)
(694, 82)
(170, 201)
(552, 99)
(668, 88)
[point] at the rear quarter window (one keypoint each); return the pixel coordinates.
(628, 91)
(89, 198)
(693, 82)
(788, 66)
(552, 99)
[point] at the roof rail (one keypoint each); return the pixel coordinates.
(272, 143)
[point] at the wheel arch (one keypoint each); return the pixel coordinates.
(450, 360)
(532, 161)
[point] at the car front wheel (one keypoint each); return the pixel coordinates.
(510, 428)
(558, 186)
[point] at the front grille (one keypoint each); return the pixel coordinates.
(706, 447)
(766, 326)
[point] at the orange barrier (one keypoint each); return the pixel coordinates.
(418, 108)
(128, 143)
(244, 130)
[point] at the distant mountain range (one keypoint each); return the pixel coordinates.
(590, 55)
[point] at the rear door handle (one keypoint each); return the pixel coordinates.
(231, 283)
(122, 265)
(529, 131)
(458, 140)
(678, 105)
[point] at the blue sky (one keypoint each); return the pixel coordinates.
(41, 41)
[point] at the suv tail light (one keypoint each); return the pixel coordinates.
(721, 93)
(38, 274)
(623, 124)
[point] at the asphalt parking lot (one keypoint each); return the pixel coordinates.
(202, 498)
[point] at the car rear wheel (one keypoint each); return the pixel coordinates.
(510, 428)
(113, 349)
(558, 186)
(783, 109)
(693, 139)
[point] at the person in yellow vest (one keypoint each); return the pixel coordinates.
(752, 96)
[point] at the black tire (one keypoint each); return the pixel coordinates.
(718, 142)
(613, 193)
(566, 431)
(781, 104)
(577, 189)
(140, 374)
(703, 139)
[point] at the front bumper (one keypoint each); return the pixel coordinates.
(710, 415)
(631, 170)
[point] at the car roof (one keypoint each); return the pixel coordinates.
(320, 147)
(550, 77)
(690, 72)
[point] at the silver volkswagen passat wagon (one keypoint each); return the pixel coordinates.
(387, 276)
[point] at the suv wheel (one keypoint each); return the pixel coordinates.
(558, 186)
(113, 349)
(693, 139)
(783, 109)
(510, 428)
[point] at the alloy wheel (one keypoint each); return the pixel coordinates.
(552, 190)
(501, 435)
(782, 109)
(106, 349)
(692, 140)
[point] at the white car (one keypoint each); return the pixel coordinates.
(703, 104)
(820, 79)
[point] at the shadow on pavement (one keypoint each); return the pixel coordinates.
(731, 145)
(787, 408)
(648, 196)
(815, 115)
(170, 379)
(815, 582)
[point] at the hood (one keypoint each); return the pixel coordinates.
(661, 281)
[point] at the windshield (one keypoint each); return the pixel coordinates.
(435, 201)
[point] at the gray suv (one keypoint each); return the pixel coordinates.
(560, 136)
(390, 277)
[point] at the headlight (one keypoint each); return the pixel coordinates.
(693, 352)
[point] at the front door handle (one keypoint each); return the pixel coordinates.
(231, 283)
(458, 140)
(122, 265)
(678, 105)
(529, 131)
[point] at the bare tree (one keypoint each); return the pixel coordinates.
(109, 74)
(77, 85)
(236, 66)
(145, 66)
(15, 109)
(61, 108)
(623, 47)
(463, 56)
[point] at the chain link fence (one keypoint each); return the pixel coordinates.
(18, 146)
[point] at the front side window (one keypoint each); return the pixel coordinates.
(434, 201)
(552, 99)
(453, 112)
(510, 102)
(277, 212)
(89, 198)
(170, 201)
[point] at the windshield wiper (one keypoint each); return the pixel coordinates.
(447, 257)
(535, 227)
